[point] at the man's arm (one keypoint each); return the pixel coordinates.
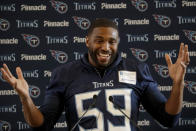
(177, 72)
(31, 113)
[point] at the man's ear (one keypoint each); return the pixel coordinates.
(87, 40)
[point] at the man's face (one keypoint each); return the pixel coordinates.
(102, 46)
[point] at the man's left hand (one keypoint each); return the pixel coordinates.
(178, 69)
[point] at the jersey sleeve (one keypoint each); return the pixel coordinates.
(153, 100)
(53, 104)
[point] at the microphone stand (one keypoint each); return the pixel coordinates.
(118, 107)
(90, 106)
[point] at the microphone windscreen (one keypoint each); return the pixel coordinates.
(111, 98)
(94, 97)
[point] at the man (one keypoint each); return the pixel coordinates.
(86, 87)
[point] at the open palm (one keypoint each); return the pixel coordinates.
(178, 69)
(19, 84)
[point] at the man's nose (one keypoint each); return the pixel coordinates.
(105, 46)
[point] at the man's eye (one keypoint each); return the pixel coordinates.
(99, 41)
(112, 42)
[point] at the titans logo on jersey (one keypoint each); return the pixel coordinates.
(140, 5)
(161, 70)
(191, 85)
(5, 126)
(191, 35)
(140, 54)
(4, 25)
(82, 23)
(59, 6)
(163, 21)
(31, 40)
(60, 56)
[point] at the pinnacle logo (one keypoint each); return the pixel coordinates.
(5, 126)
(61, 124)
(82, 23)
(191, 85)
(140, 54)
(34, 91)
(59, 6)
(162, 70)
(140, 5)
(60, 56)
(163, 21)
(191, 35)
(188, 3)
(4, 25)
(31, 40)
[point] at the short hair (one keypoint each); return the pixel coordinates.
(102, 22)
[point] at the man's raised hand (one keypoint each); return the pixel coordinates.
(178, 69)
(19, 84)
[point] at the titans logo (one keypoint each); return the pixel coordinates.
(191, 85)
(141, 55)
(5, 126)
(82, 23)
(140, 5)
(59, 6)
(31, 40)
(4, 25)
(161, 70)
(34, 91)
(191, 35)
(60, 56)
(163, 21)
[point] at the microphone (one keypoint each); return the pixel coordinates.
(118, 107)
(89, 107)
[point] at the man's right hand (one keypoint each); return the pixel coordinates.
(19, 84)
(32, 114)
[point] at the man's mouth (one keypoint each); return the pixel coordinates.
(103, 58)
(104, 55)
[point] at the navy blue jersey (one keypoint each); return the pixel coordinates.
(128, 82)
